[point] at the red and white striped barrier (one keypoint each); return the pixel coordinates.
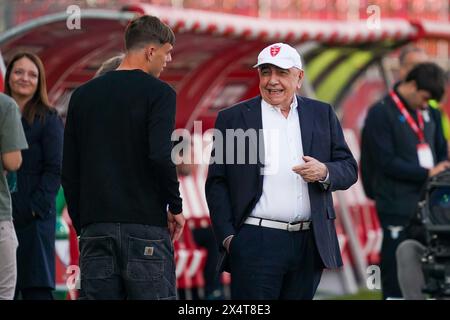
(190, 258)
(189, 266)
(348, 276)
(363, 209)
(195, 208)
(192, 187)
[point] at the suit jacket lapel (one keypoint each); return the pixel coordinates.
(252, 116)
(251, 113)
(306, 118)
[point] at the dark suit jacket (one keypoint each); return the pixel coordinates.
(38, 182)
(232, 190)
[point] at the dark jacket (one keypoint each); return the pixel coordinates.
(391, 166)
(117, 163)
(233, 190)
(38, 181)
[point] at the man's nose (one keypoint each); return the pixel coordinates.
(273, 79)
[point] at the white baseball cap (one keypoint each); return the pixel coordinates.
(281, 55)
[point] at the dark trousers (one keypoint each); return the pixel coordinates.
(34, 294)
(126, 261)
(274, 264)
(388, 265)
(204, 237)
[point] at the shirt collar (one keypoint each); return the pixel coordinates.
(294, 105)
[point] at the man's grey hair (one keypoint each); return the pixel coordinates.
(109, 65)
(407, 50)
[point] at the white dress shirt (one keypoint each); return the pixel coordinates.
(285, 194)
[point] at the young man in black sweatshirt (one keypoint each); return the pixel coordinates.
(118, 176)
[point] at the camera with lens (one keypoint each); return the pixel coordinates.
(434, 211)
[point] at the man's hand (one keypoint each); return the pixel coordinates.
(441, 166)
(176, 224)
(312, 170)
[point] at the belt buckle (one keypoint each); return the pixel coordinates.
(307, 225)
(294, 227)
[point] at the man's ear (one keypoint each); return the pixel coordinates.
(301, 74)
(149, 52)
(148, 55)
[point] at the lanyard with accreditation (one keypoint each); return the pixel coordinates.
(423, 149)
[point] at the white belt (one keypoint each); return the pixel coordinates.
(297, 226)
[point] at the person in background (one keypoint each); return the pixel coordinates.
(404, 140)
(12, 140)
(109, 65)
(38, 180)
(409, 57)
(409, 252)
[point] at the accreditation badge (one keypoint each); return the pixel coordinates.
(425, 155)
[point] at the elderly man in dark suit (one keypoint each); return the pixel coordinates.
(270, 182)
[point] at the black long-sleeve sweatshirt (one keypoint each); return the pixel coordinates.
(117, 151)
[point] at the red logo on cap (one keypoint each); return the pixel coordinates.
(274, 50)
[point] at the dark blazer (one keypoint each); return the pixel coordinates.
(38, 181)
(232, 190)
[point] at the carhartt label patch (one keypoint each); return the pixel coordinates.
(148, 251)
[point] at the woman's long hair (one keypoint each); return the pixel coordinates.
(38, 105)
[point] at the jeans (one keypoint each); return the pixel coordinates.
(126, 261)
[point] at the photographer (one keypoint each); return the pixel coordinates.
(403, 139)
